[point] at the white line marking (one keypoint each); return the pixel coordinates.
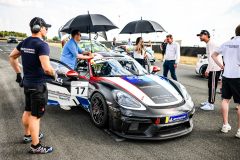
(0, 50)
(20, 65)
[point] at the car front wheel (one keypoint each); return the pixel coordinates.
(99, 111)
(203, 70)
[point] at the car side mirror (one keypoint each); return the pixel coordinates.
(72, 74)
(156, 69)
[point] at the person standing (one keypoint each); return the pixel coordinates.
(149, 44)
(37, 71)
(139, 52)
(212, 72)
(72, 52)
(172, 57)
(113, 44)
(64, 41)
(230, 51)
(163, 47)
(129, 42)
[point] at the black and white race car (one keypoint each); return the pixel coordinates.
(121, 95)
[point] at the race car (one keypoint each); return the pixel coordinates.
(120, 95)
(150, 54)
(12, 39)
(128, 49)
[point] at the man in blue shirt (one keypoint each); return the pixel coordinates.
(72, 52)
(129, 43)
(37, 71)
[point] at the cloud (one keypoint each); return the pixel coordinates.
(20, 3)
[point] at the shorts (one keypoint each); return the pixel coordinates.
(231, 87)
(163, 52)
(36, 98)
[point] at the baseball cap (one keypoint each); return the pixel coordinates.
(204, 32)
(39, 21)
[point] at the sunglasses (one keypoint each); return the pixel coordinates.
(80, 35)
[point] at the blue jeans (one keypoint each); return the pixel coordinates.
(169, 65)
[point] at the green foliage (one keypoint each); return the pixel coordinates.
(55, 38)
(12, 33)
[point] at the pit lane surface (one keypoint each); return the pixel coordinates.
(73, 136)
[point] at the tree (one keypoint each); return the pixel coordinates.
(55, 38)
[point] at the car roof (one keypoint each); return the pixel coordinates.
(109, 54)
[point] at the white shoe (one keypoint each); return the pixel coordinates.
(237, 107)
(226, 128)
(208, 106)
(238, 133)
(204, 103)
(65, 107)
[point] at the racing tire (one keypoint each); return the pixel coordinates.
(99, 111)
(202, 71)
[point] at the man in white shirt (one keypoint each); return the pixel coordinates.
(212, 72)
(230, 51)
(171, 58)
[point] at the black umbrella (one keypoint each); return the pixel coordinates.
(88, 23)
(142, 26)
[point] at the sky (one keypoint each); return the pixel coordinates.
(181, 18)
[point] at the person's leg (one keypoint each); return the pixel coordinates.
(211, 88)
(165, 69)
(225, 104)
(173, 70)
(34, 126)
(25, 120)
(216, 78)
(238, 116)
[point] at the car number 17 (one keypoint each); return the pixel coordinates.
(80, 91)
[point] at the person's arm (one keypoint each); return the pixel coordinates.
(216, 60)
(161, 47)
(13, 58)
(112, 44)
(81, 56)
(177, 53)
(46, 65)
(138, 46)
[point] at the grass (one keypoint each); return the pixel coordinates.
(183, 59)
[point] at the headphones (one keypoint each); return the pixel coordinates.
(36, 27)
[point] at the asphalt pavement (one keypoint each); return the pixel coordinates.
(73, 136)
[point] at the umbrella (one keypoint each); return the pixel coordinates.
(88, 23)
(142, 26)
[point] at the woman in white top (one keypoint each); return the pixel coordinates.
(139, 52)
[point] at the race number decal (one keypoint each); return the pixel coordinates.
(79, 89)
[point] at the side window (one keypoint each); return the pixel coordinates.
(59, 68)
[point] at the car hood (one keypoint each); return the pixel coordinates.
(151, 90)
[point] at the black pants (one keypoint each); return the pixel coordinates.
(212, 85)
(141, 61)
(36, 98)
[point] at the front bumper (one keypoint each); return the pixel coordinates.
(148, 129)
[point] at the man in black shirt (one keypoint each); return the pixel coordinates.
(37, 70)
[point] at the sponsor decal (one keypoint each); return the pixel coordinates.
(153, 86)
(28, 50)
(58, 81)
(167, 96)
(176, 118)
(233, 46)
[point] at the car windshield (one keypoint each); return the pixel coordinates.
(116, 67)
(96, 47)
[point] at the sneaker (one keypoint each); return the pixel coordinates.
(238, 133)
(220, 91)
(39, 148)
(226, 128)
(208, 106)
(65, 107)
(27, 139)
(204, 103)
(237, 107)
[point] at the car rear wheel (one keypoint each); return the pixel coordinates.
(99, 111)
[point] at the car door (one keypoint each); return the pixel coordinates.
(69, 88)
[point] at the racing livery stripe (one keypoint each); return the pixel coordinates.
(130, 88)
(58, 94)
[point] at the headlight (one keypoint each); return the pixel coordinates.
(200, 61)
(127, 101)
(184, 91)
